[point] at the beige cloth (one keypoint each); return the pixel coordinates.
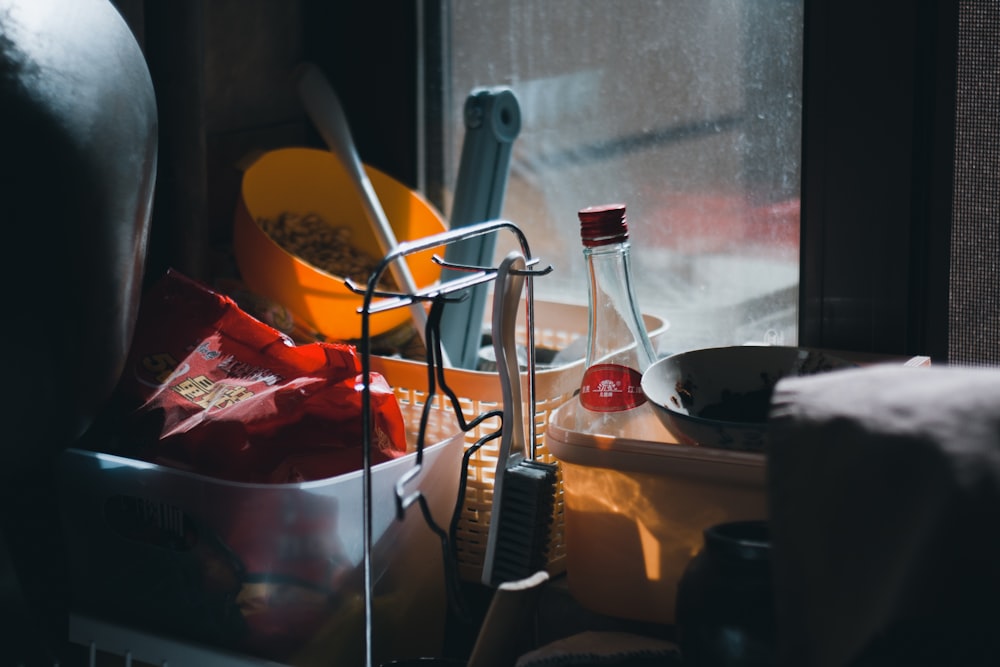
(884, 494)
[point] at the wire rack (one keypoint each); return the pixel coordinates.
(439, 295)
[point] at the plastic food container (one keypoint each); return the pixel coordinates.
(635, 512)
(273, 571)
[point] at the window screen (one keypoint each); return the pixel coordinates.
(974, 303)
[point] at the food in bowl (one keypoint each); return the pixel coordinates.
(324, 245)
(720, 396)
(748, 406)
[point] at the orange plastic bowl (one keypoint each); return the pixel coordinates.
(307, 180)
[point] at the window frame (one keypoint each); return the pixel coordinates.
(876, 178)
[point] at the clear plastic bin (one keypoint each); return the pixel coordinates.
(273, 571)
(635, 512)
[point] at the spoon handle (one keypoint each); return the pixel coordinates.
(327, 114)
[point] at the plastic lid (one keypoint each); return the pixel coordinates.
(601, 225)
(640, 456)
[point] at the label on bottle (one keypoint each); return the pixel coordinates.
(611, 388)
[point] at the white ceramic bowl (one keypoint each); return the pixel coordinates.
(720, 396)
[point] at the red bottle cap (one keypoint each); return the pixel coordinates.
(601, 225)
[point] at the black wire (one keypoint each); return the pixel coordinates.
(435, 377)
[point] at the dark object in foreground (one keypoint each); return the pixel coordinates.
(725, 602)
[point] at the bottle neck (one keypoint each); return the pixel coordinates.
(616, 332)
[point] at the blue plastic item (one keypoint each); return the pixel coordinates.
(492, 122)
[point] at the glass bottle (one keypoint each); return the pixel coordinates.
(618, 347)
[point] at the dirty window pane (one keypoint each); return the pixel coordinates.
(688, 111)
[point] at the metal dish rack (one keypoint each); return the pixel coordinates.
(101, 639)
(438, 295)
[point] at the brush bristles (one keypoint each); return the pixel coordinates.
(525, 518)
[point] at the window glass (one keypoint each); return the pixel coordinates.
(688, 111)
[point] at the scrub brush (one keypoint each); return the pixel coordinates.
(523, 489)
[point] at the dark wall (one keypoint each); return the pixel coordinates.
(368, 51)
(878, 124)
(222, 73)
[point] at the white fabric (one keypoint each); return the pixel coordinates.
(884, 497)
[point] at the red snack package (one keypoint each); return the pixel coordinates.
(219, 392)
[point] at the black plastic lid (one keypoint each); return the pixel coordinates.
(744, 540)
